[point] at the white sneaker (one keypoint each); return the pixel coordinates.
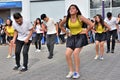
(9, 56)
(101, 58)
(37, 50)
(70, 74)
(13, 56)
(76, 75)
(96, 57)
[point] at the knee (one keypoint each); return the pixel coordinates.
(102, 45)
(10, 44)
(76, 54)
(68, 55)
(97, 44)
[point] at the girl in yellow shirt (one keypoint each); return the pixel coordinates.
(100, 35)
(76, 38)
(9, 30)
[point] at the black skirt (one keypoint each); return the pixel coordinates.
(77, 41)
(9, 38)
(100, 37)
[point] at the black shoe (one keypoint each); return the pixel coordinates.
(50, 57)
(16, 67)
(112, 51)
(23, 69)
(107, 51)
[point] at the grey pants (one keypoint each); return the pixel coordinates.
(50, 43)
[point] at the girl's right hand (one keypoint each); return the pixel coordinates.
(68, 34)
(12, 41)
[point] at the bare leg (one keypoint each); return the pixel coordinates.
(77, 59)
(14, 46)
(69, 59)
(102, 48)
(97, 47)
(9, 50)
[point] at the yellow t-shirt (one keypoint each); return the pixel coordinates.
(76, 27)
(10, 30)
(100, 29)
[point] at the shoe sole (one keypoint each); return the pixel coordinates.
(16, 69)
(76, 78)
(69, 77)
(20, 72)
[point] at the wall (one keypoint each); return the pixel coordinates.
(25, 11)
(12, 11)
(53, 9)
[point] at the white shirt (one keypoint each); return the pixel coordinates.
(62, 32)
(51, 28)
(112, 23)
(23, 30)
(38, 29)
(119, 27)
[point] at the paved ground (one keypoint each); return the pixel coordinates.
(41, 68)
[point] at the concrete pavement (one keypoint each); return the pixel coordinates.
(41, 68)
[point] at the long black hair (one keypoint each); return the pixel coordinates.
(68, 13)
(10, 22)
(119, 17)
(101, 21)
(38, 20)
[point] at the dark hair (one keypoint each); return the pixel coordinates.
(68, 13)
(10, 22)
(92, 20)
(17, 15)
(101, 21)
(119, 17)
(43, 16)
(38, 20)
(118, 14)
(109, 14)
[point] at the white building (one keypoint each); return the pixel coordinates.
(32, 9)
(52, 8)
